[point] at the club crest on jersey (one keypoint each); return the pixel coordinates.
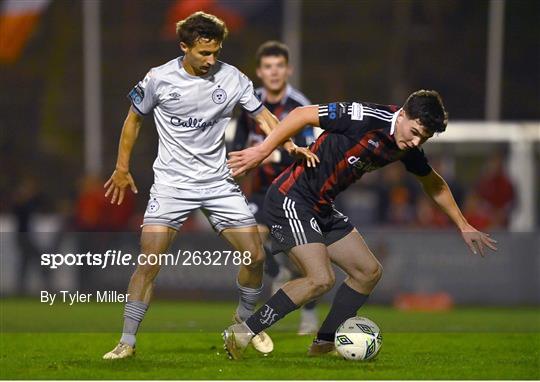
(219, 96)
(315, 225)
(277, 233)
(153, 206)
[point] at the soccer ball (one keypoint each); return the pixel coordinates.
(358, 339)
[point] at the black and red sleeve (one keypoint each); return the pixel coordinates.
(341, 118)
(415, 161)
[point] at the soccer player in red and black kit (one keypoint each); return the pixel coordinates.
(280, 98)
(359, 137)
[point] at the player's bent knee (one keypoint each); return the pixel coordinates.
(373, 273)
(367, 274)
(257, 256)
(321, 284)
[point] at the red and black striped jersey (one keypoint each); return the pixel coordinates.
(248, 133)
(358, 138)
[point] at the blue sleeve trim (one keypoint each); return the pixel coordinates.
(256, 111)
(137, 110)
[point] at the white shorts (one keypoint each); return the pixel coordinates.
(224, 205)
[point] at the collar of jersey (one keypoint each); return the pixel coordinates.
(393, 124)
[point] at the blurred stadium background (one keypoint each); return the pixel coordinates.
(67, 67)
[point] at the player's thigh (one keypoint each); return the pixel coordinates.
(227, 208)
(169, 206)
(313, 262)
(352, 254)
(245, 239)
(156, 238)
(291, 222)
(264, 232)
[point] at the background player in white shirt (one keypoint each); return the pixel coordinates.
(192, 98)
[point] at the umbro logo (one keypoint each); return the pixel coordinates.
(315, 225)
(373, 143)
(174, 95)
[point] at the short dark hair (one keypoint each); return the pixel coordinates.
(427, 106)
(272, 48)
(201, 25)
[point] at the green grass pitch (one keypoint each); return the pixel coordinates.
(181, 340)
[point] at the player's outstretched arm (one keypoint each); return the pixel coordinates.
(437, 189)
(242, 161)
(268, 122)
(121, 178)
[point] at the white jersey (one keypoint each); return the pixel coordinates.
(191, 114)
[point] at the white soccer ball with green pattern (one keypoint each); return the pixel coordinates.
(358, 339)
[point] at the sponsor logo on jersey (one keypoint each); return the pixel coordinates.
(332, 111)
(315, 225)
(363, 166)
(219, 96)
(136, 94)
(373, 143)
(193, 123)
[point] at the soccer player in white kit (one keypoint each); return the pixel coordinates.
(192, 98)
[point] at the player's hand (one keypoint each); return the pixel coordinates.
(301, 153)
(476, 240)
(116, 186)
(242, 161)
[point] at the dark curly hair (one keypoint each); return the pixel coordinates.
(427, 106)
(201, 25)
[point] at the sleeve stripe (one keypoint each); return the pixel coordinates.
(379, 111)
(137, 110)
(256, 110)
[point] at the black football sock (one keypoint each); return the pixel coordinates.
(277, 307)
(345, 305)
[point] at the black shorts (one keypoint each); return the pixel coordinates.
(292, 222)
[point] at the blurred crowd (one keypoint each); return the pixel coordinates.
(387, 198)
(392, 198)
